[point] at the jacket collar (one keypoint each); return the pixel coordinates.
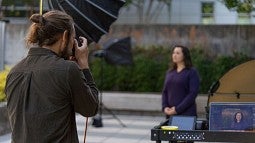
(40, 51)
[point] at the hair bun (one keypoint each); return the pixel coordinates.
(37, 18)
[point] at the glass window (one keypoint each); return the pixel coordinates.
(243, 18)
(207, 10)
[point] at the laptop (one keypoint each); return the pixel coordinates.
(183, 122)
(232, 116)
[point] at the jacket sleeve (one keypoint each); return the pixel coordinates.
(83, 90)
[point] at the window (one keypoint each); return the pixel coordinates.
(243, 18)
(207, 10)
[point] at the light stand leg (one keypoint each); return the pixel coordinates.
(110, 111)
(97, 120)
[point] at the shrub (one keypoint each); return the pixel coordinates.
(145, 75)
(203, 64)
(150, 65)
(3, 75)
(225, 63)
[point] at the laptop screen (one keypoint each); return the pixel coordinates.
(183, 122)
(232, 116)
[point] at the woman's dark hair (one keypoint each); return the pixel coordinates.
(186, 55)
(46, 28)
(241, 116)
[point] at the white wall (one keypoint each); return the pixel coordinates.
(253, 17)
(130, 14)
(223, 15)
(185, 12)
(15, 48)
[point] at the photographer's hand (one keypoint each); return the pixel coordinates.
(82, 53)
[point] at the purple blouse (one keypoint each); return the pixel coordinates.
(180, 90)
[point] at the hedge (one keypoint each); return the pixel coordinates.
(149, 68)
(150, 65)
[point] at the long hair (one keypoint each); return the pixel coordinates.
(241, 116)
(46, 28)
(186, 55)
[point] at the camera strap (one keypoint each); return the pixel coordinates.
(86, 128)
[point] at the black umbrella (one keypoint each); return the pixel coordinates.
(116, 51)
(92, 18)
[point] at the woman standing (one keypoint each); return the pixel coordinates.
(181, 85)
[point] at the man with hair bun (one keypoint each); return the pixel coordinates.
(47, 87)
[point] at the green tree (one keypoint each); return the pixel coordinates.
(241, 6)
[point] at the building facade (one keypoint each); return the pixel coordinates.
(212, 12)
(207, 24)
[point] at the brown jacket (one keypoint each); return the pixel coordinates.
(43, 93)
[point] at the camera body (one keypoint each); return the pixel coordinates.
(80, 40)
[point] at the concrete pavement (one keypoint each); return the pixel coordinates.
(137, 129)
(139, 112)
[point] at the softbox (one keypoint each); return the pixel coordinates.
(116, 51)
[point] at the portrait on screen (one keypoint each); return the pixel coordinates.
(232, 117)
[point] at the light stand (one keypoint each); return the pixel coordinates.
(215, 85)
(97, 120)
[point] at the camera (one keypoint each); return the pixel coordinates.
(79, 41)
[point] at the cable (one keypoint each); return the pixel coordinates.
(86, 128)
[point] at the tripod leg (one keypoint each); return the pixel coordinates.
(122, 124)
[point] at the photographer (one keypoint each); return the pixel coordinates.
(47, 87)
